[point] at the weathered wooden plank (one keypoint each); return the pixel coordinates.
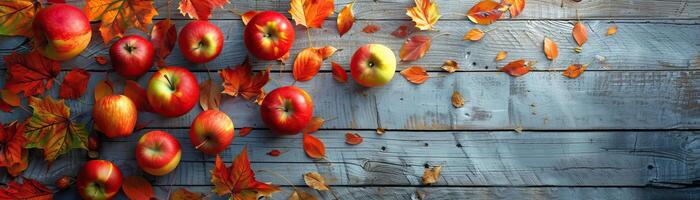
(403, 193)
(457, 9)
(658, 158)
(494, 101)
(639, 45)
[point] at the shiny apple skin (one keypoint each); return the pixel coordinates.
(373, 65)
(158, 153)
(287, 110)
(132, 56)
(200, 41)
(61, 32)
(269, 35)
(176, 101)
(213, 127)
(99, 180)
(115, 115)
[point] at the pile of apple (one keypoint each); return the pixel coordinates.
(173, 91)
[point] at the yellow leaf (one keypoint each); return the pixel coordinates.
(299, 194)
(550, 49)
(425, 14)
(315, 181)
(310, 13)
(474, 35)
(501, 55)
(118, 15)
(16, 17)
(431, 175)
(450, 66)
(612, 30)
(346, 19)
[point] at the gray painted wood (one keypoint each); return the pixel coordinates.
(625, 159)
(494, 101)
(638, 45)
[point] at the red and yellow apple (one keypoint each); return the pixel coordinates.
(132, 56)
(172, 91)
(287, 110)
(115, 115)
(200, 41)
(269, 35)
(61, 32)
(211, 131)
(158, 153)
(99, 179)
(373, 65)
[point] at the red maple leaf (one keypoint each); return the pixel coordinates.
(31, 73)
(241, 80)
(13, 155)
(238, 179)
(29, 189)
(74, 84)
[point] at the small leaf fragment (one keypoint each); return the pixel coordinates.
(247, 16)
(574, 71)
(457, 99)
(381, 131)
(299, 194)
(316, 181)
(474, 34)
(274, 153)
(339, 74)
(245, 131)
(612, 29)
(210, 95)
(431, 175)
(313, 125)
(137, 187)
(353, 138)
(450, 66)
(102, 60)
(403, 31)
(501, 55)
(371, 28)
(184, 194)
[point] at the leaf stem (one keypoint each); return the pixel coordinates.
(206, 65)
(278, 175)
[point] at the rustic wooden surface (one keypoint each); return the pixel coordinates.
(627, 128)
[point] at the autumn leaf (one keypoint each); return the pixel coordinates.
(308, 62)
(612, 29)
(118, 15)
(247, 16)
(316, 181)
(103, 88)
(550, 49)
(516, 68)
(102, 60)
(299, 194)
(516, 7)
(274, 153)
(74, 84)
(245, 131)
(313, 125)
(431, 175)
(371, 28)
(380, 131)
(29, 189)
(136, 187)
(474, 34)
(425, 14)
(137, 94)
(450, 66)
(13, 156)
(16, 17)
(241, 80)
(339, 74)
(403, 31)
(163, 37)
(415, 74)
(579, 33)
(199, 9)
(30, 73)
(457, 99)
(10, 98)
(238, 179)
(310, 13)
(575, 70)
(184, 194)
(501, 55)
(353, 138)
(485, 12)
(415, 48)
(50, 128)
(210, 95)
(346, 18)
(314, 147)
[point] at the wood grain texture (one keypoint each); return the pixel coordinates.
(457, 9)
(638, 45)
(655, 158)
(493, 101)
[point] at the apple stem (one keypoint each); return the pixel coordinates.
(202, 144)
(170, 83)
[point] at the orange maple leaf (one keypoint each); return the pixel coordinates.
(13, 155)
(311, 13)
(16, 17)
(241, 80)
(425, 14)
(199, 9)
(31, 73)
(238, 179)
(247, 16)
(119, 15)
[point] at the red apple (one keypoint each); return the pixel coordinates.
(269, 35)
(158, 153)
(373, 65)
(172, 91)
(61, 31)
(211, 132)
(99, 179)
(132, 56)
(287, 110)
(200, 41)
(115, 115)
